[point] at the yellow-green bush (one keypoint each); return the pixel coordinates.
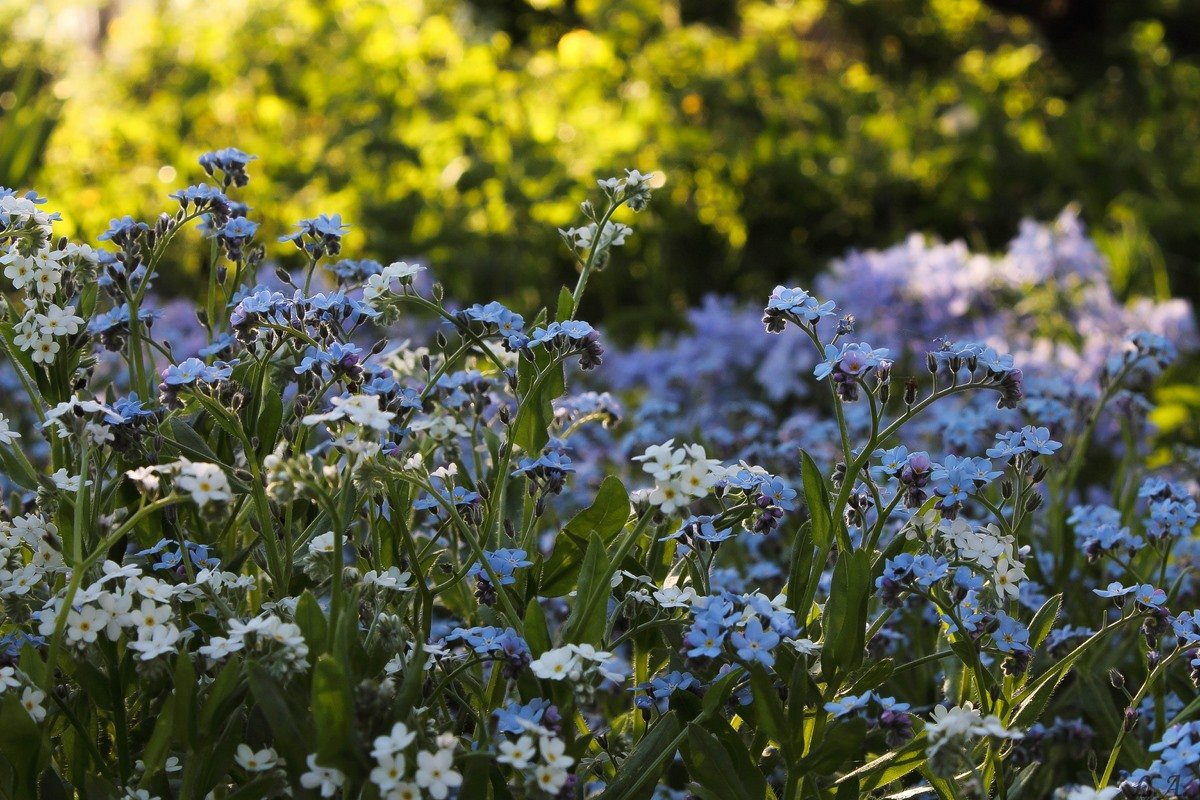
(787, 131)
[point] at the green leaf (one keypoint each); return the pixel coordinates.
(769, 711)
(843, 742)
(816, 495)
(585, 624)
(17, 469)
(312, 622)
(414, 677)
(891, 766)
(537, 631)
(333, 712)
(183, 702)
(21, 744)
(606, 516)
(801, 569)
(845, 619)
(539, 382)
(280, 715)
(190, 443)
(718, 767)
(1043, 620)
(638, 773)
(872, 676)
(154, 754)
(720, 690)
(566, 305)
(221, 697)
(270, 418)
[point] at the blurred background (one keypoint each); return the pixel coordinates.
(465, 131)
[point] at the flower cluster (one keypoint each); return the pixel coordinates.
(284, 549)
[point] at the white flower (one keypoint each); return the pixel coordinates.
(157, 641)
(46, 275)
(44, 350)
(400, 738)
(404, 791)
(962, 722)
(389, 770)
(361, 409)
(553, 752)
(252, 761)
(8, 679)
(661, 461)
(393, 578)
(99, 434)
(68, 483)
(149, 616)
(85, 624)
(31, 700)
(1007, 578)
(668, 497)
(435, 773)
(555, 665)
(549, 779)
(19, 581)
(145, 478)
(674, 597)
(56, 321)
(697, 479)
(805, 647)
(518, 754)
(7, 435)
(321, 545)
(204, 482)
(219, 647)
(327, 779)
(17, 268)
(138, 794)
(589, 653)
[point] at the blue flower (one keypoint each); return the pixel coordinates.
(194, 370)
(1010, 636)
(1148, 596)
(239, 228)
(848, 704)
(1115, 590)
(779, 493)
(705, 639)
(504, 563)
(511, 715)
(753, 644)
(954, 479)
(1037, 440)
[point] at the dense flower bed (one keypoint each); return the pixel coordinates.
(268, 545)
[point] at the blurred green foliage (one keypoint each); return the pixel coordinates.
(465, 132)
(28, 111)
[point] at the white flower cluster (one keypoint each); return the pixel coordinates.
(546, 767)
(991, 550)
(264, 634)
(31, 697)
(572, 661)
(206, 483)
(958, 725)
(358, 409)
(683, 474)
(39, 276)
(435, 773)
(379, 286)
(27, 554)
